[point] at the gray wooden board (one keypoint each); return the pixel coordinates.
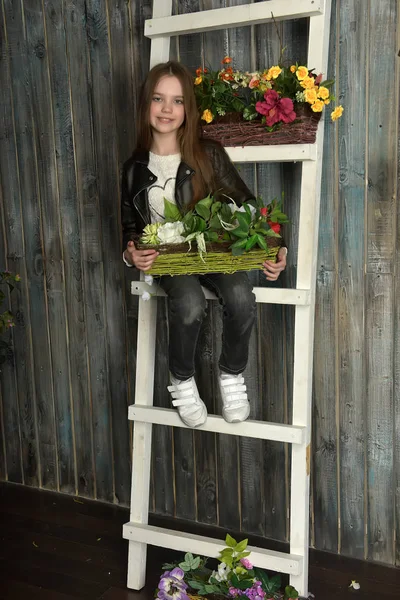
(22, 189)
(54, 16)
(271, 355)
(325, 392)
(379, 416)
(26, 137)
(382, 162)
(215, 47)
(163, 450)
(396, 362)
(351, 202)
(9, 227)
(86, 182)
(189, 51)
(108, 177)
(41, 99)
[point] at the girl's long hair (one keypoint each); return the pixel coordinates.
(191, 149)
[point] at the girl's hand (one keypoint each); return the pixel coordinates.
(273, 270)
(142, 259)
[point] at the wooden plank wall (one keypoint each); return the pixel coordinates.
(70, 71)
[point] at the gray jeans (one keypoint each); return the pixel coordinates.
(187, 308)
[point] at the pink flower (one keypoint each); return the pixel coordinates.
(263, 213)
(254, 82)
(276, 108)
(245, 561)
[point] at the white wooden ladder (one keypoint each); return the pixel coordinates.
(160, 29)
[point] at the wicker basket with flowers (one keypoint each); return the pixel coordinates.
(279, 105)
(214, 237)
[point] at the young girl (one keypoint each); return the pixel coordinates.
(172, 161)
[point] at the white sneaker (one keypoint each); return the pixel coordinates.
(191, 408)
(235, 405)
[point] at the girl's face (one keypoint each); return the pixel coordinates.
(167, 111)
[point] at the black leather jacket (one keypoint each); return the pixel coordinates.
(137, 178)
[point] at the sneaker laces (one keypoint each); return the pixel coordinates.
(234, 392)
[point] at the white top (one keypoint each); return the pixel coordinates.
(165, 168)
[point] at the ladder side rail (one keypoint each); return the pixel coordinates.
(233, 16)
(304, 319)
(142, 433)
(160, 47)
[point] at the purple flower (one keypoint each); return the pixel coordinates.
(172, 586)
(245, 561)
(234, 592)
(255, 592)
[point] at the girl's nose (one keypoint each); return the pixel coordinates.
(166, 107)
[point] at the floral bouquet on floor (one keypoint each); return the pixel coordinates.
(281, 104)
(234, 577)
(214, 237)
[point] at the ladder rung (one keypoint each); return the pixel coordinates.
(276, 432)
(263, 295)
(232, 16)
(278, 153)
(205, 546)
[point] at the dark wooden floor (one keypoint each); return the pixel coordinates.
(55, 547)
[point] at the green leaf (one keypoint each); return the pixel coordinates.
(188, 557)
(184, 566)
(215, 207)
(203, 211)
(272, 233)
(291, 592)
(250, 113)
(243, 555)
(270, 586)
(240, 233)
(195, 585)
(244, 219)
(207, 202)
(244, 584)
(243, 544)
(211, 236)
(196, 563)
(327, 83)
(261, 242)
(171, 211)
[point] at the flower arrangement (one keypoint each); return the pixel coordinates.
(6, 318)
(269, 95)
(235, 577)
(222, 233)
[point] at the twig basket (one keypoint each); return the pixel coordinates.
(179, 259)
(230, 131)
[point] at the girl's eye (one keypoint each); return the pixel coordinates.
(179, 101)
(156, 98)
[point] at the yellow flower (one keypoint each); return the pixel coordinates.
(301, 73)
(307, 83)
(207, 116)
(311, 95)
(198, 80)
(273, 73)
(327, 101)
(337, 113)
(293, 69)
(317, 106)
(323, 93)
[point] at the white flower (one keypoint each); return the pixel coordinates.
(146, 296)
(148, 279)
(235, 208)
(170, 233)
(223, 571)
(355, 585)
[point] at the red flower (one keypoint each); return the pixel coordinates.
(227, 60)
(264, 211)
(318, 79)
(274, 226)
(276, 108)
(199, 72)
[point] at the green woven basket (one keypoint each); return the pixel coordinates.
(178, 259)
